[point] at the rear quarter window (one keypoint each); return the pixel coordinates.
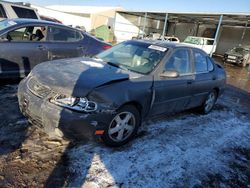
(2, 12)
(210, 65)
(64, 35)
(200, 62)
(24, 12)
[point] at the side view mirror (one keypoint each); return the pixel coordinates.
(169, 74)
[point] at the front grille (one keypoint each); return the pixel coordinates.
(33, 119)
(36, 122)
(37, 88)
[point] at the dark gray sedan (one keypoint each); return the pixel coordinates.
(25, 43)
(110, 95)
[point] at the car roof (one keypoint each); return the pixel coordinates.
(34, 21)
(165, 44)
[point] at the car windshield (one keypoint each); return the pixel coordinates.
(134, 55)
(193, 40)
(239, 50)
(5, 24)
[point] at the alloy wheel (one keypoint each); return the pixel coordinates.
(122, 126)
(210, 101)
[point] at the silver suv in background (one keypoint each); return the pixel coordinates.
(17, 10)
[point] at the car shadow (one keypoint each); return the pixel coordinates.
(13, 125)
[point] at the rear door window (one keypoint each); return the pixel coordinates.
(210, 65)
(24, 12)
(63, 34)
(2, 12)
(202, 62)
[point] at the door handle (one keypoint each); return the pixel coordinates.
(189, 82)
(41, 47)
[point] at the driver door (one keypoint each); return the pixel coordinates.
(19, 53)
(173, 94)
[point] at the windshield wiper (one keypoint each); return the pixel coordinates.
(112, 64)
(118, 65)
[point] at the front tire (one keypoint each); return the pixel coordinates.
(123, 126)
(209, 102)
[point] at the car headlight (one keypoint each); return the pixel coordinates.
(74, 103)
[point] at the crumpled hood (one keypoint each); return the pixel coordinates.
(78, 76)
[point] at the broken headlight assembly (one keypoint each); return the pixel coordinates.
(74, 103)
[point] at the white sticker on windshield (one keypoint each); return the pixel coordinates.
(159, 48)
(12, 23)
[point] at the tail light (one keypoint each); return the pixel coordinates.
(105, 47)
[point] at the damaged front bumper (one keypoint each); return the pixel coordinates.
(60, 121)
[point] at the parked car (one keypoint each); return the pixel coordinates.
(171, 39)
(17, 10)
(203, 43)
(25, 43)
(51, 19)
(238, 55)
(152, 36)
(157, 36)
(110, 95)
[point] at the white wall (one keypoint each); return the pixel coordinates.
(67, 19)
(124, 28)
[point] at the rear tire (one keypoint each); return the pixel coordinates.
(209, 102)
(123, 126)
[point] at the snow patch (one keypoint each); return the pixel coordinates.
(177, 151)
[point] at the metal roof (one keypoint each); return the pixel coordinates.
(82, 9)
(232, 19)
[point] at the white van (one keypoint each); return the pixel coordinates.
(16, 10)
(203, 43)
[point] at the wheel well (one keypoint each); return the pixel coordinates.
(137, 105)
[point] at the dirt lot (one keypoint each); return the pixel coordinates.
(181, 150)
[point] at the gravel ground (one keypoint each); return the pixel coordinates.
(181, 150)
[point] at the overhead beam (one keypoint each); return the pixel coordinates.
(216, 35)
(165, 25)
(144, 23)
(243, 33)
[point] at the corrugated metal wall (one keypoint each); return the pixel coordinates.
(128, 26)
(231, 37)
